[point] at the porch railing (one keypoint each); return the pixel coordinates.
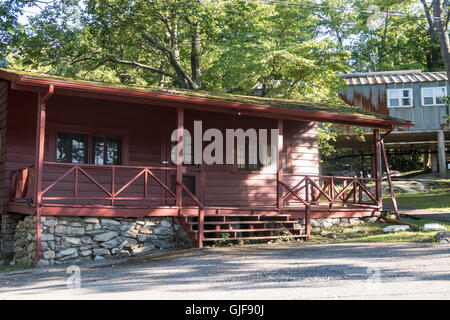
(298, 189)
(329, 190)
(22, 184)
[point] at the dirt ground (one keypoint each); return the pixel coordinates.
(278, 271)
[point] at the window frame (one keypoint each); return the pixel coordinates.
(105, 142)
(287, 161)
(192, 150)
(90, 131)
(70, 146)
(434, 96)
(248, 167)
(400, 98)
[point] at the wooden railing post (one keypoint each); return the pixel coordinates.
(308, 221)
(39, 159)
(307, 189)
(331, 192)
(377, 166)
(201, 221)
(113, 183)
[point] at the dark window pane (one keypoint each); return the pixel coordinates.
(98, 150)
(79, 148)
(71, 147)
(107, 150)
(429, 101)
(394, 102)
(247, 166)
(63, 147)
(113, 150)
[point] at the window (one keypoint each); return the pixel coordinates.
(74, 148)
(399, 98)
(106, 150)
(188, 181)
(244, 157)
(188, 150)
(433, 96)
(247, 161)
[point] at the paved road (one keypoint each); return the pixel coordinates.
(285, 271)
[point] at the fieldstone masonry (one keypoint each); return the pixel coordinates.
(8, 225)
(71, 239)
(320, 224)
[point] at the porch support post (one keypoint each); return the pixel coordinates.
(179, 172)
(441, 155)
(280, 164)
(201, 222)
(434, 161)
(377, 165)
(39, 159)
(388, 175)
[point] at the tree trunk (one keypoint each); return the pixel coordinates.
(441, 29)
(434, 57)
(195, 57)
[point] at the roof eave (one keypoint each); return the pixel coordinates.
(307, 115)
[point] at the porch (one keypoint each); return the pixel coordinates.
(134, 191)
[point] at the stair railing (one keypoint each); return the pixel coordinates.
(201, 213)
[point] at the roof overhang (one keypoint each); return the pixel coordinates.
(107, 92)
(396, 139)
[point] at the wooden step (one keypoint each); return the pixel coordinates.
(244, 230)
(208, 215)
(254, 238)
(242, 222)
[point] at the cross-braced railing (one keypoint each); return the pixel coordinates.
(108, 189)
(22, 183)
(329, 190)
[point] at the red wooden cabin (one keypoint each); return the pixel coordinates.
(78, 148)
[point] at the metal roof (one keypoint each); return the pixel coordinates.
(388, 77)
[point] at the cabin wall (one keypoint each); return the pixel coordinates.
(4, 85)
(373, 98)
(8, 222)
(146, 131)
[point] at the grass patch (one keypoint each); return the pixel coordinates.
(433, 176)
(436, 200)
(8, 268)
(371, 232)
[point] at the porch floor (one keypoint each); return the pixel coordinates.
(298, 212)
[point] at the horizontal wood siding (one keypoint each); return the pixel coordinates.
(147, 130)
(4, 191)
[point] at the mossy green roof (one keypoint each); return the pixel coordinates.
(336, 108)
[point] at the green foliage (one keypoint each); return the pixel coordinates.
(294, 48)
(326, 133)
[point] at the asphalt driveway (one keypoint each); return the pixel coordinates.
(279, 271)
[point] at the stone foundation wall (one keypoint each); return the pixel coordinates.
(320, 224)
(72, 239)
(8, 225)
